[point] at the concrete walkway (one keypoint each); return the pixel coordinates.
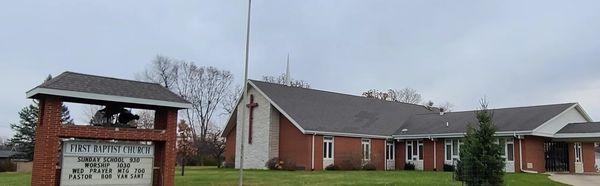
(577, 179)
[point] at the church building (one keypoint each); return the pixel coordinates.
(314, 129)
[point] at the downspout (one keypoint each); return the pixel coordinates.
(434, 155)
(521, 156)
(385, 155)
(313, 153)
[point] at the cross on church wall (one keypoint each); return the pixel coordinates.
(251, 106)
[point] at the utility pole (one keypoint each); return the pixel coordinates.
(241, 181)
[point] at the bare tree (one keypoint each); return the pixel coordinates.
(230, 100)
(281, 80)
(445, 107)
(146, 120)
(163, 70)
(406, 95)
(203, 87)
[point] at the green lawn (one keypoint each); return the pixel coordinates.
(214, 176)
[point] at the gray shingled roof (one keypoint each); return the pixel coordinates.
(506, 119)
(588, 127)
(317, 110)
(85, 83)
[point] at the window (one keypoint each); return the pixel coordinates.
(448, 150)
(453, 149)
(578, 152)
(409, 151)
(366, 149)
(510, 151)
(414, 150)
(327, 147)
(389, 150)
(420, 150)
(502, 143)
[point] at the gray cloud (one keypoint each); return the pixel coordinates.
(513, 52)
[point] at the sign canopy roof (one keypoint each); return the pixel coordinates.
(85, 88)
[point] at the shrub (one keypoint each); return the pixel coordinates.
(7, 166)
(274, 164)
(289, 165)
(448, 168)
(332, 167)
(229, 165)
(409, 166)
(369, 166)
(351, 161)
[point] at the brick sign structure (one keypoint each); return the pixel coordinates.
(108, 154)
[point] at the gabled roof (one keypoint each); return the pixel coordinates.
(329, 112)
(84, 86)
(587, 127)
(506, 120)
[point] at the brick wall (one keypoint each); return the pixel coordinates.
(294, 146)
(440, 156)
(377, 153)
(533, 153)
(589, 157)
(230, 147)
(428, 155)
(319, 153)
(346, 149)
(400, 155)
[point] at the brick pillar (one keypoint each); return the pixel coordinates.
(47, 144)
(165, 152)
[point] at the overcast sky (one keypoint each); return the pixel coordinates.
(515, 53)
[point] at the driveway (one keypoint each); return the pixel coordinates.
(577, 180)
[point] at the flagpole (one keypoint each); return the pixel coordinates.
(241, 181)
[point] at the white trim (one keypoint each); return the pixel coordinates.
(455, 135)
(103, 97)
(347, 134)
(278, 108)
(325, 151)
(578, 135)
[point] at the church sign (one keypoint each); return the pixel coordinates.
(100, 163)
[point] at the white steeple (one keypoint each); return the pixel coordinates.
(288, 80)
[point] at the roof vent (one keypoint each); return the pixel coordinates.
(447, 124)
(403, 131)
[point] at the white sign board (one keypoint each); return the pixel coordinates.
(93, 163)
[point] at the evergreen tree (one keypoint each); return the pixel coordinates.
(481, 161)
(24, 138)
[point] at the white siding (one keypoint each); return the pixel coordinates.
(265, 137)
(570, 116)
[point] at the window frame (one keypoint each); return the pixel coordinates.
(366, 149)
(328, 147)
(390, 150)
(454, 150)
